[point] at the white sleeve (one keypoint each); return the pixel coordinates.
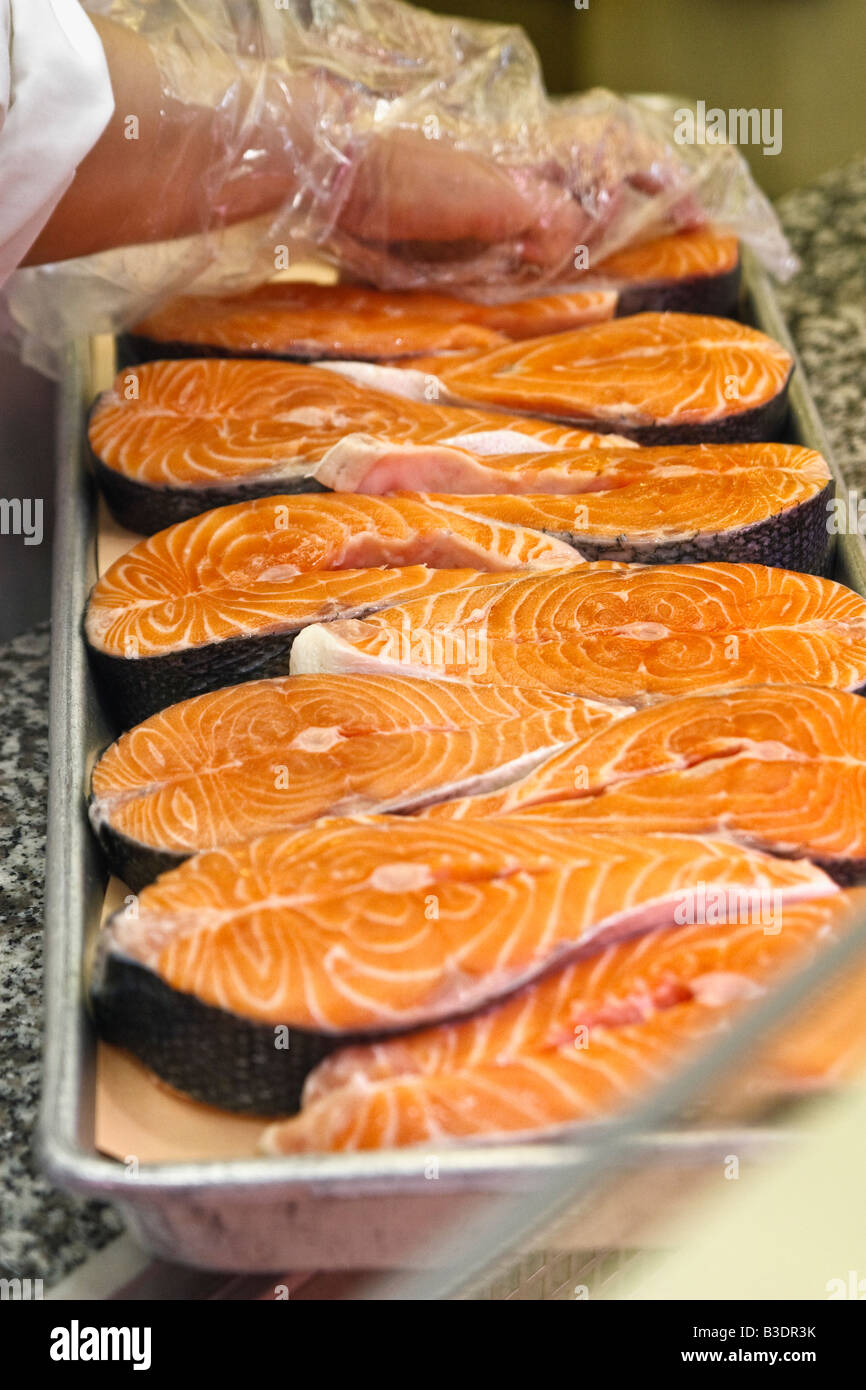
(55, 102)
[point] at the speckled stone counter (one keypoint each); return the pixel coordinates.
(826, 305)
(43, 1233)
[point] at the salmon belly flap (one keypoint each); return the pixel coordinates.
(369, 926)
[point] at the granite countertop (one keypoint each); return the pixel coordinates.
(45, 1233)
(826, 305)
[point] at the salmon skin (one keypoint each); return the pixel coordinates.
(369, 926)
(751, 502)
(173, 439)
(220, 598)
(577, 1046)
(657, 378)
(636, 633)
(309, 321)
(273, 754)
(692, 272)
(779, 768)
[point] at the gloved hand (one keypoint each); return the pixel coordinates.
(410, 150)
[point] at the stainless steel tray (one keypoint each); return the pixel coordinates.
(373, 1210)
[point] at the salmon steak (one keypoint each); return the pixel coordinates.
(272, 754)
(303, 320)
(220, 598)
(370, 926)
(693, 272)
(657, 378)
(172, 439)
(637, 633)
(750, 502)
(583, 1042)
(780, 768)
(538, 1093)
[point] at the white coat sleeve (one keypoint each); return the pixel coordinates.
(55, 102)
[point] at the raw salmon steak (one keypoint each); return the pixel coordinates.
(301, 320)
(764, 502)
(220, 598)
(695, 272)
(272, 754)
(376, 925)
(712, 963)
(172, 439)
(658, 378)
(637, 633)
(581, 1043)
(536, 1093)
(780, 768)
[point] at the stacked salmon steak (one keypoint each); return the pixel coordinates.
(490, 727)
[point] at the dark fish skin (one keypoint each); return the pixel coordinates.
(146, 510)
(848, 873)
(134, 689)
(700, 294)
(796, 540)
(137, 864)
(133, 349)
(208, 1053)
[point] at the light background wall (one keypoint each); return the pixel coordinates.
(806, 56)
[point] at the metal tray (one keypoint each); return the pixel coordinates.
(365, 1210)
